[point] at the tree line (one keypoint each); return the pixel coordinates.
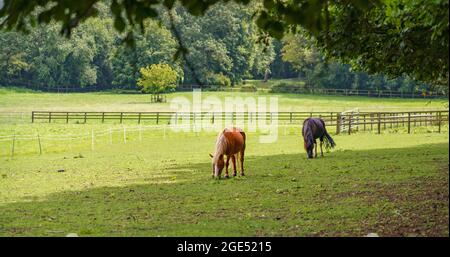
(224, 47)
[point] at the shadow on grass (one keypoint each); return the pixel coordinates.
(393, 192)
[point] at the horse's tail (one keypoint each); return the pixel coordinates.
(245, 139)
(243, 149)
(329, 140)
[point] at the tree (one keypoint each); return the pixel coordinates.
(223, 41)
(157, 79)
(395, 38)
(155, 45)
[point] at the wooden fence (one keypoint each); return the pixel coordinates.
(344, 92)
(378, 121)
(364, 121)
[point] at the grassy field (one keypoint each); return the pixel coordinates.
(13, 101)
(155, 182)
(391, 184)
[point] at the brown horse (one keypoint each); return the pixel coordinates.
(314, 128)
(230, 142)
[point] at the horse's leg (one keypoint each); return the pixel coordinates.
(241, 159)
(315, 148)
(321, 150)
(226, 166)
(233, 159)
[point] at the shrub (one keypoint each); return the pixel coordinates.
(217, 81)
(283, 87)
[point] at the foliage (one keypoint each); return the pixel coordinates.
(317, 72)
(395, 38)
(157, 79)
(225, 41)
(217, 80)
(282, 87)
(155, 45)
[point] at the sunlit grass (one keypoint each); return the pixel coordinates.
(163, 186)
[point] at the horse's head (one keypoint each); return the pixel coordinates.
(217, 165)
(309, 146)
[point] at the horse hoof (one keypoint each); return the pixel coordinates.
(226, 176)
(234, 174)
(242, 174)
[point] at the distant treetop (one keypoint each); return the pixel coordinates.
(394, 37)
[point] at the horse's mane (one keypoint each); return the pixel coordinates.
(221, 146)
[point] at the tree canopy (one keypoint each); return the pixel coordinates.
(157, 79)
(389, 36)
(241, 40)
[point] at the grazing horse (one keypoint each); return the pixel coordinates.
(230, 142)
(314, 128)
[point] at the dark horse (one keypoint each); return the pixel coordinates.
(314, 128)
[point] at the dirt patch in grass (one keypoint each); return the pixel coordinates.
(416, 207)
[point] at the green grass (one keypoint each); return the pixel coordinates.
(12, 101)
(159, 183)
(391, 184)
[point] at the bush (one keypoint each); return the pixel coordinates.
(249, 88)
(283, 87)
(218, 80)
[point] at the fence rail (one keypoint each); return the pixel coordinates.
(347, 122)
(344, 92)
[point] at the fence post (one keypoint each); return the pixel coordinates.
(364, 122)
(290, 117)
(157, 118)
(350, 123)
(49, 117)
(409, 123)
(67, 117)
(121, 117)
(371, 122)
(439, 122)
(379, 123)
(139, 118)
(103, 117)
(338, 124)
(32, 117)
(212, 119)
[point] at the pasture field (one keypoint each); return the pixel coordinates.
(390, 184)
(149, 181)
(27, 101)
